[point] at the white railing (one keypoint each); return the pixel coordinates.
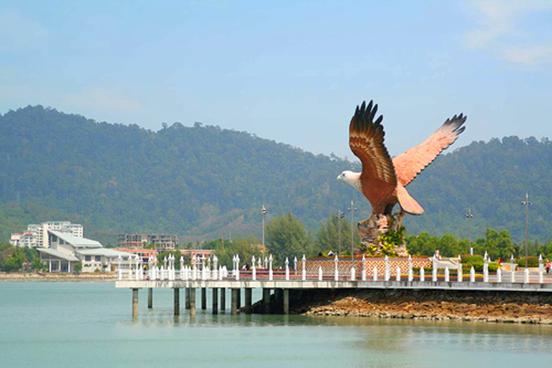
(210, 269)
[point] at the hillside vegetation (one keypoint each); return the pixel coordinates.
(205, 182)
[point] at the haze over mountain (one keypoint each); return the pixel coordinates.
(203, 182)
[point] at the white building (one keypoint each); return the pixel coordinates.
(66, 250)
(36, 235)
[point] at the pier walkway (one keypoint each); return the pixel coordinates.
(208, 275)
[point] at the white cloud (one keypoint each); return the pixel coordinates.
(499, 23)
(529, 55)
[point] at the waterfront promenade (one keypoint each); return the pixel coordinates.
(277, 284)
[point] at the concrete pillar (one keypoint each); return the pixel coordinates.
(234, 302)
(239, 298)
(248, 298)
(134, 304)
(176, 301)
(285, 301)
(266, 300)
(203, 298)
(187, 298)
(215, 301)
(222, 300)
(192, 302)
(150, 298)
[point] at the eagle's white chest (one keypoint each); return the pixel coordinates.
(353, 179)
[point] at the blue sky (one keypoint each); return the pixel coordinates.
(288, 71)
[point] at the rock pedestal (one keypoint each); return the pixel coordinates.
(371, 229)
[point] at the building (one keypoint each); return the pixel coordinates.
(158, 241)
(36, 235)
(65, 251)
(143, 253)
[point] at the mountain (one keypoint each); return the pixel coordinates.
(203, 181)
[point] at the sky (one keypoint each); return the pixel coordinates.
(290, 71)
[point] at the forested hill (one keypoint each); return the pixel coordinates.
(204, 181)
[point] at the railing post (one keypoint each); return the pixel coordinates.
(387, 275)
(434, 269)
(447, 274)
(215, 267)
(541, 270)
(336, 268)
(287, 269)
(119, 269)
(253, 269)
(486, 267)
(363, 272)
(320, 273)
(304, 268)
(472, 274)
(499, 274)
(353, 273)
(270, 273)
(526, 275)
(459, 270)
(512, 270)
(295, 265)
(237, 267)
(410, 271)
(422, 274)
(398, 274)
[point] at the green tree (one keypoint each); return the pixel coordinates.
(328, 236)
(286, 236)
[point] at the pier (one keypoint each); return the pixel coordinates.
(342, 274)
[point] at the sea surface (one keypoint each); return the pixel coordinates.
(87, 324)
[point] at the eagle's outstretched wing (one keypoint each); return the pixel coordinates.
(410, 163)
(366, 141)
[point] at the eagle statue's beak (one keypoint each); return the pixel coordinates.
(340, 176)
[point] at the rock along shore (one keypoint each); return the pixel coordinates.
(506, 307)
(37, 276)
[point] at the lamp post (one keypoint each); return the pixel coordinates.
(264, 211)
(352, 209)
(340, 216)
(469, 217)
(526, 203)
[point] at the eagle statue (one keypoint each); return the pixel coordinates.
(383, 179)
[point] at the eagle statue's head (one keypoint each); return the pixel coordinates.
(350, 177)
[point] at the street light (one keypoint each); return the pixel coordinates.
(469, 217)
(352, 209)
(526, 203)
(264, 211)
(340, 216)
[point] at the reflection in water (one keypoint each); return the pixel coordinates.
(42, 322)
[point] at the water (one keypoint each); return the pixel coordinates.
(89, 325)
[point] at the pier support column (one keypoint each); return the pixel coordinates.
(203, 298)
(215, 301)
(285, 301)
(150, 298)
(223, 300)
(234, 302)
(248, 299)
(192, 302)
(239, 298)
(187, 297)
(266, 300)
(134, 304)
(176, 301)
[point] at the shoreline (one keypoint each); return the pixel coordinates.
(37, 276)
(420, 305)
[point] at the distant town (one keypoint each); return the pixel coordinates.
(64, 249)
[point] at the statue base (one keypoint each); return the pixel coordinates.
(372, 229)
